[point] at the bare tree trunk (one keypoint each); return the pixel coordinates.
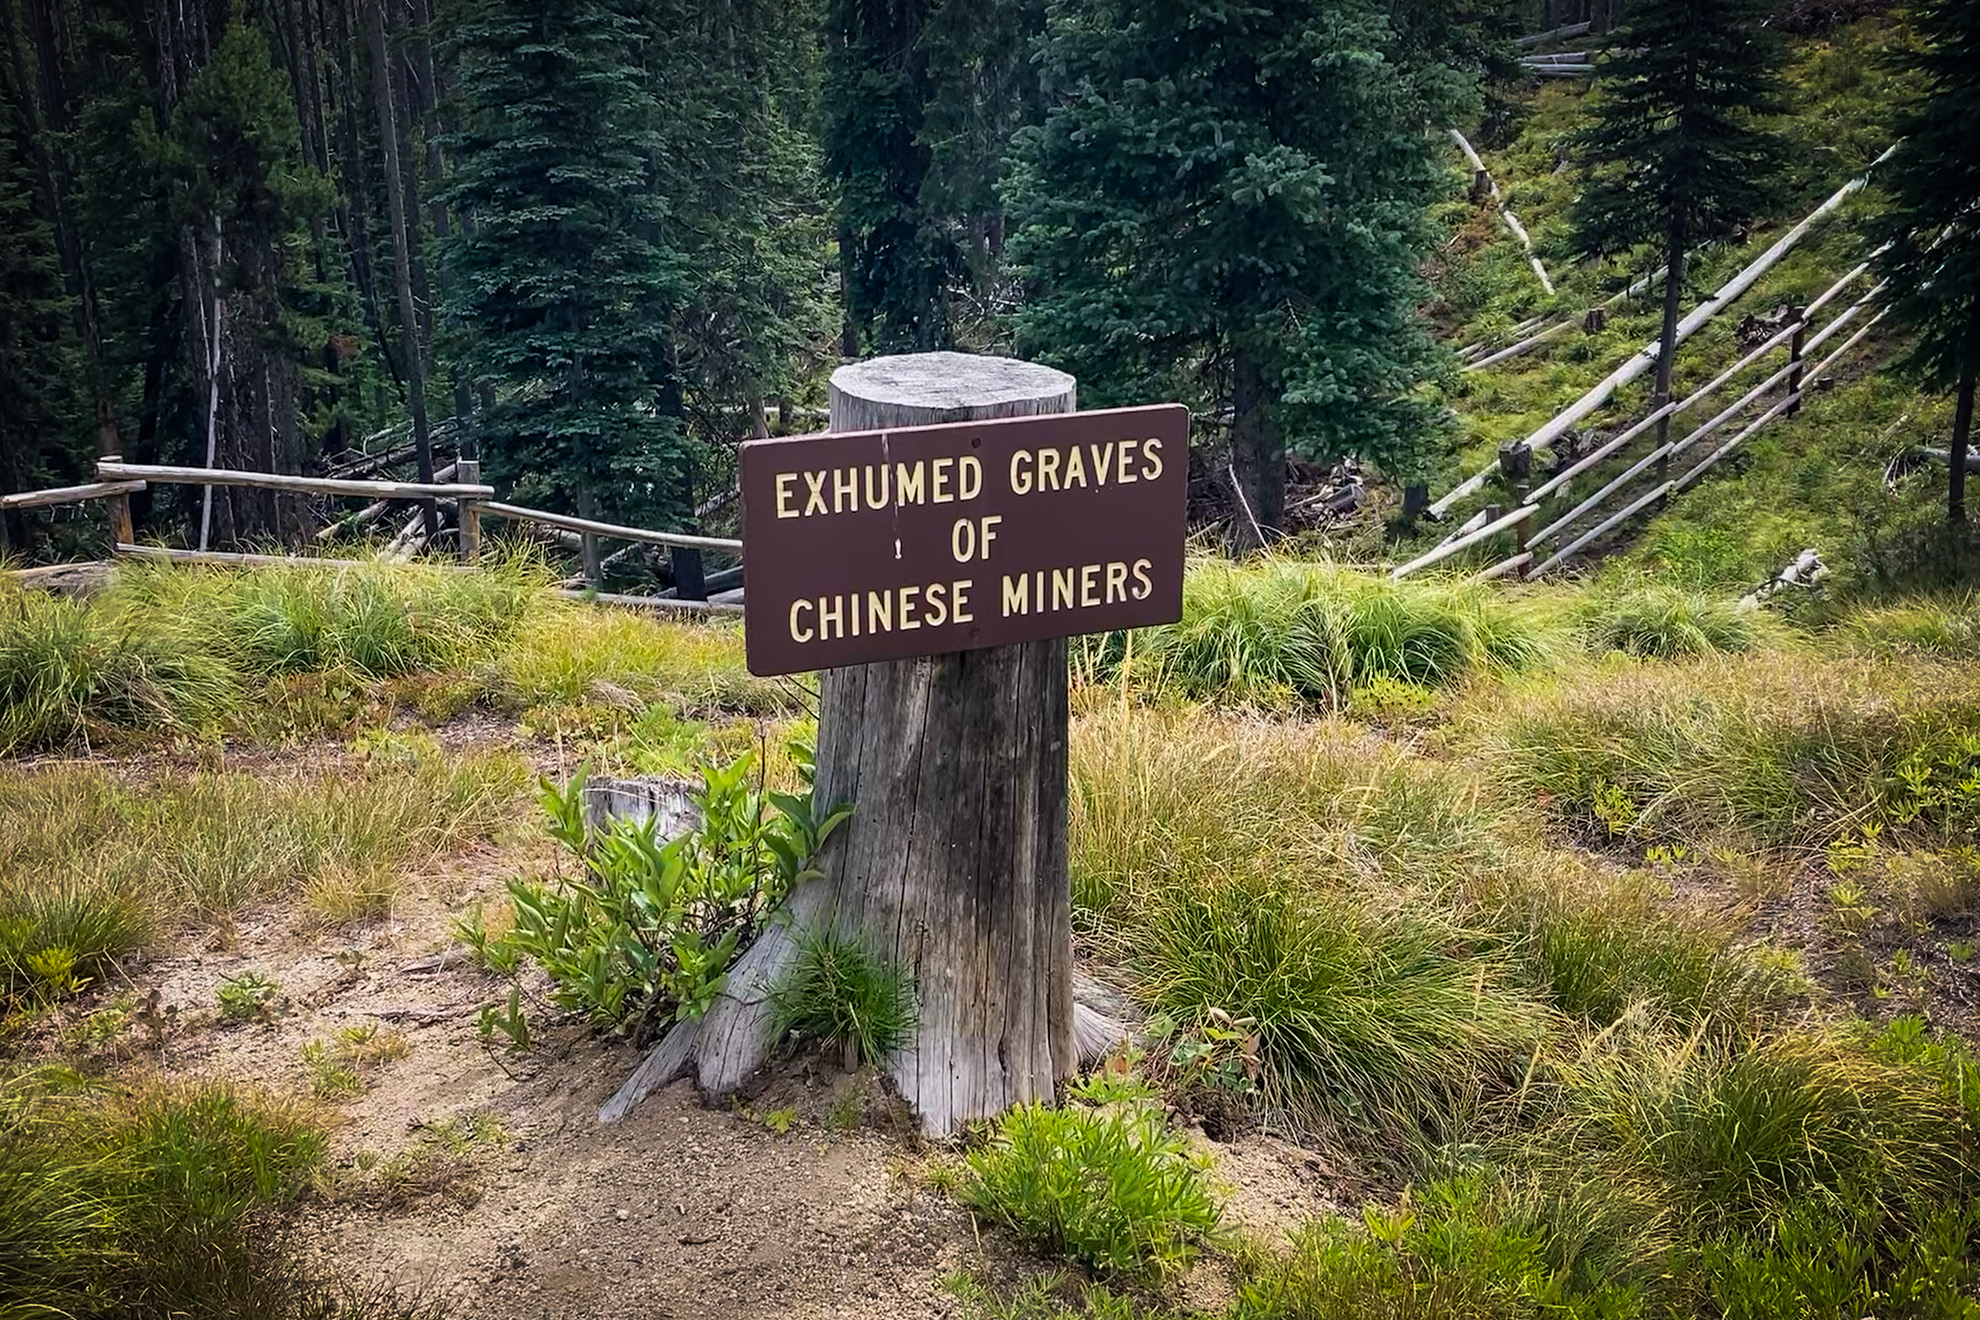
(388, 134)
(1258, 457)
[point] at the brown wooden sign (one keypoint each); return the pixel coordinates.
(880, 545)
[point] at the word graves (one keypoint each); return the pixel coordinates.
(880, 545)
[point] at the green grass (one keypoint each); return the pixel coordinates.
(1670, 623)
(1107, 1187)
(1922, 626)
(1787, 751)
(97, 866)
(1280, 632)
(840, 993)
(172, 650)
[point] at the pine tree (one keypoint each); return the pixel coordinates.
(1933, 222)
(42, 431)
(898, 260)
(562, 277)
(1679, 153)
(1226, 204)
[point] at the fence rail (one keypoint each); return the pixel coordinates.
(119, 480)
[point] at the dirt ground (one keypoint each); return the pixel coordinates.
(488, 1180)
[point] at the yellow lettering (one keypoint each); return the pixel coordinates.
(1116, 582)
(1142, 586)
(969, 477)
(786, 488)
(907, 482)
(1103, 462)
(1075, 468)
(1151, 458)
(831, 618)
(1089, 583)
(940, 485)
(1062, 589)
(1048, 469)
(959, 601)
(879, 611)
(1122, 472)
(799, 634)
(1017, 595)
(845, 486)
(908, 605)
(1020, 474)
(877, 501)
(815, 496)
(938, 609)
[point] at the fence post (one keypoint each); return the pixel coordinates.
(1799, 315)
(690, 583)
(467, 471)
(121, 532)
(1516, 465)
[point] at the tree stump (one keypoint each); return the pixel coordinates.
(953, 864)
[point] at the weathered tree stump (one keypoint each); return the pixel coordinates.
(954, 862)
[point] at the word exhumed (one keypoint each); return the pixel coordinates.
(879, 545)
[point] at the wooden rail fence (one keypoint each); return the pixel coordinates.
(473, 501)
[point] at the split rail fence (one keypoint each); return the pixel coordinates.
(473, 503)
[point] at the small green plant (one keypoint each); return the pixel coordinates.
(1854, 908)
(1111, 1188)
(342, 1066)
(1611, 805)
(781, 1121)
(1219, 1053)
(645, 937)
(506, 1020)
(1961, 951)
(839, 992)
(247, 997)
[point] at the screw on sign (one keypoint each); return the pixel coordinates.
(926, 540)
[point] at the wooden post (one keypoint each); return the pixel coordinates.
(468, 472)
(1516, 465)
(953, 865)
(119, 507)
(689, 581)
(594, 568)
(1481, 186)
(1595, 320)
(1795, 314)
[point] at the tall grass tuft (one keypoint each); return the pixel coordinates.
(1929, 626)
(1789, 751)
(1285, 631)
(1298, 875)
(145, 1201)
(74, 670)
(93, 866)
(840, 992)
(1667, 623)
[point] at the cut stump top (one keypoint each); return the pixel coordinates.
(928, 388)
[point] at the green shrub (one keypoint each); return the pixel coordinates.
(647, 935)
(1110, 1188)
(1819, 1262)
(1666, 623)
(1284, 631)
(841, 993)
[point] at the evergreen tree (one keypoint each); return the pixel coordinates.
(1933, 222)
(1679, 151)
(42, 435)
(1226, 203)
(897, 259)
(562, 277)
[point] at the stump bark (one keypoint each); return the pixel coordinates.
(953, 864)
